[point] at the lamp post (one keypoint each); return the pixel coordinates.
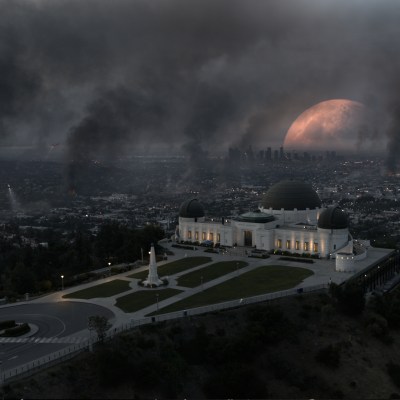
(62, 282)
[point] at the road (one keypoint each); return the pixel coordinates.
(53, 321)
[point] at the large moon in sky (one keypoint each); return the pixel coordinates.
(339, 124)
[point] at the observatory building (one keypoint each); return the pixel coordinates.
(290, 218)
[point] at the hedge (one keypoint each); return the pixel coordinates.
(17, 330)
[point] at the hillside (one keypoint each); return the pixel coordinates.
(300, 347)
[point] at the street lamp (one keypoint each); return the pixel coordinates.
(62, 282)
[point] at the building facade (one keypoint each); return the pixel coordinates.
(290, 218)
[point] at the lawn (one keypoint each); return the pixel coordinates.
(174, 267)
(103, 290)
(136, 301)
(266, 279)
(209, 273)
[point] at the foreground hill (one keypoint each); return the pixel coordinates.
(299, 347)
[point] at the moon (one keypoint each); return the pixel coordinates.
(335, 125)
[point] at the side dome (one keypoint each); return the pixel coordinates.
(290, 195)
(191, 209)
(333, 218)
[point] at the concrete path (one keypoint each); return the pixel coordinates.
(324, 272)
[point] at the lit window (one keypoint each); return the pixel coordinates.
(315, 247)
(203, 236)
(279, 243)
(218, 237)
(189, 234)
(288, 244)
(196, 235)
(297, 245)
(306, 246)
(211, 236)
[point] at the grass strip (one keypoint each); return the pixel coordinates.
(107, 289)
(209, 273)
(174, 267)
(136, 301)
(265, 279)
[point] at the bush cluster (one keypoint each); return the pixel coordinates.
(7, 324)
(17, 330)
(329, 356)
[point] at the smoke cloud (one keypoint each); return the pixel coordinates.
(102, 77)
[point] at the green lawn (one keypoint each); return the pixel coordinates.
(136, 301)
(174, 267)
(103, 290)
(266, 279)
(213, 271)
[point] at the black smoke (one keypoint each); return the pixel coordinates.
(102, 77)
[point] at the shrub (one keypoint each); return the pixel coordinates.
(350, 298)
(394, 372)
(17, 330)
(329, 356)
(376, 325)
(7, 324)
(234, 381)
(211, 251)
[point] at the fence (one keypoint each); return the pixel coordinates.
(73, 350)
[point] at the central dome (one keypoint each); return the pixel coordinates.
(290, 195)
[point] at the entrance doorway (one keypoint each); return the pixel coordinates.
(248, 238)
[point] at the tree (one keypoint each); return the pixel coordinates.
(100, 325)
(22, 279)
(350, 298)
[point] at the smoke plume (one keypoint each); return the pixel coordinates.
(101, 77)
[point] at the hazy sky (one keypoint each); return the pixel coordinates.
(102, 76)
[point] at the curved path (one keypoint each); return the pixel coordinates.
(54, 321)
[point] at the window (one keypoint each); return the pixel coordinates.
(218, 237)
(196, 235)
(279, 243)
(203, 236)
(315, 247)
(306, 246)
(288, 244)
(297, 246)
(189, 234)
(211, 237)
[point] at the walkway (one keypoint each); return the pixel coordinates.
(323, 273)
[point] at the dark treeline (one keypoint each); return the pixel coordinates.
(32, 269)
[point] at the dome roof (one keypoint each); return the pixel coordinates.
(290, 195)
(333, 218)
(191, 209)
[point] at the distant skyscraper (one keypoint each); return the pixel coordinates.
(268, 155)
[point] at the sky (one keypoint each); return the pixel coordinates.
(103, 78)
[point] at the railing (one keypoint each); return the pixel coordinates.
(73, 350)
